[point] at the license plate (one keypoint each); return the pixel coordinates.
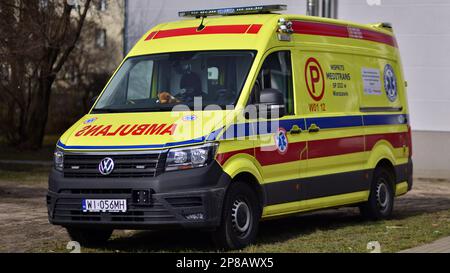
(104, 205)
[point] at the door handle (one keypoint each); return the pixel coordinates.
(313, 128)
(295, 130)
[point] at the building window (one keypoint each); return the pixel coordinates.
(71, 75)
(101, 38)
(102, 5)
(5, 72)
(43, 4)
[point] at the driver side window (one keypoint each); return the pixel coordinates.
(276, 73)
(139, 81)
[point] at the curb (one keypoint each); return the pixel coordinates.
(439, 246)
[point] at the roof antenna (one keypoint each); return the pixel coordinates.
(201, 26)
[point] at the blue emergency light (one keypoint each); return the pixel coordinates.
(233, 11)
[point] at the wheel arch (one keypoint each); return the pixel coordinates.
(250, 179)
(245, 168)
(389, 166)
(382, 155)
(383, 150)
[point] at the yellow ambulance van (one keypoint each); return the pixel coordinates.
(233, 116)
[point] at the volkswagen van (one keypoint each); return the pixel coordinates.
(233, 116)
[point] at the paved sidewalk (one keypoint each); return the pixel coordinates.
(439, 246)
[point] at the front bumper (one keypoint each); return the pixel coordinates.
(174, 195)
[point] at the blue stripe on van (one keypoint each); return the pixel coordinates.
(214, 135)
(62, 145)
(288, 124)
(335, 122)
(270, 127)
(250, 129)
(260, 128)
(154, 146)
(373, 120)
(322, 122)
(239, 130)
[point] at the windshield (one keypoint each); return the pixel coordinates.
(159, 82)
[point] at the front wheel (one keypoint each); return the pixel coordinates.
(381, 198)
(240, 218)
(90, 237)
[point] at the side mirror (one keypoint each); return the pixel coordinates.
(271, 104)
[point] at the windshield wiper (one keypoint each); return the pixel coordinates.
(107, 110)
(159, 109)
(132, 110)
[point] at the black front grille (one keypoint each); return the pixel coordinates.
(178, 202)
(130, 165)
(96, 191)
(70, 209)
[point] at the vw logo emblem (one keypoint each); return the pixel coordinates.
(106, 166)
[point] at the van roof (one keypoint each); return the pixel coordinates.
(240, 31)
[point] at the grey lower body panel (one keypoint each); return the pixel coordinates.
(329, 185)
(173, 197)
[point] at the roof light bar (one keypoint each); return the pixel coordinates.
(232, 11)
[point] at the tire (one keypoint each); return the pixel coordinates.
(381, 198)
(240, 218)
(90, 237)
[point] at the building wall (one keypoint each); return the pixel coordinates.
(431, 152)
(112, 20)
(423, 33)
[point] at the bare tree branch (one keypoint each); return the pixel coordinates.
(63, 59)
(36, 43)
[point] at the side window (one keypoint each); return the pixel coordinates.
(216, 77)
(139, 81)
(276, 73)
(213, 75)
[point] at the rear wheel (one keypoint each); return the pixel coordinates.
(381, 198)
(240, 218)
(90, 237)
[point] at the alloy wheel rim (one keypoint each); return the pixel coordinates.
(382, 195)
(241, 217)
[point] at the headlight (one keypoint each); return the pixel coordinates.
(58, 160)
(191, 157)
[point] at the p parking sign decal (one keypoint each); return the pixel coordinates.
(315, 80)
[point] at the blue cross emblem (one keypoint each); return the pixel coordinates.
(282, 141)
(390, 83)
(91, 120)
